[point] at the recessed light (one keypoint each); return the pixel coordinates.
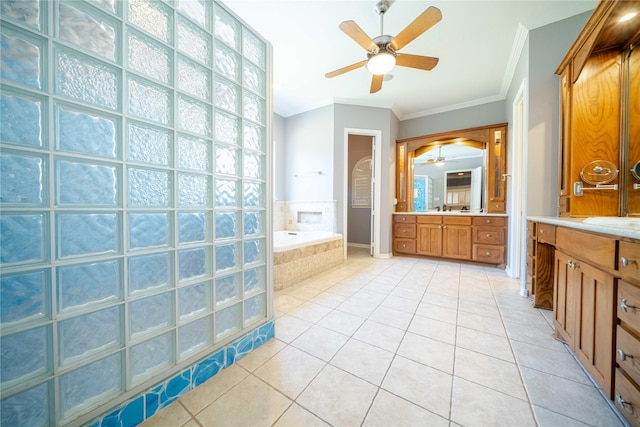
(628, 17)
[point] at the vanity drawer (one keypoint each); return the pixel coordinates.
(629, 260)
(429, 219)
(495, 221)
(404, 218)
(531, 229)
(404, 230)
(405, 246)
(628, 353)
(488, 235)
(601, 250)
(456, 220)
(547, 234)
(488, 253)
(629, 305)
(627, 398)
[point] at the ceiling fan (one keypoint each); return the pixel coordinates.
(438, 161)
(382, 51)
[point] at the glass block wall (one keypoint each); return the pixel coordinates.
(133, 197)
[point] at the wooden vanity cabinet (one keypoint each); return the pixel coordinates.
(489, 239)
(541, 239)
(404, 234)
(429, 235)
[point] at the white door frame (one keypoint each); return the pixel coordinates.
(377, 165)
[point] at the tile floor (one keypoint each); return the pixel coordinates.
(401, 342)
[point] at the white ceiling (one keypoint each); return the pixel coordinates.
(477, 41)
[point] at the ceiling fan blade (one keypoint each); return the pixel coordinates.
(346, 69)
(422, 23)
(358, 35)
(376, 82)
(416, 61)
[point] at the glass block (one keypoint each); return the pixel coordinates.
(193, 190)
(22, 179)
(254, 223)
(255, 308)
(20, 58)
(149, 101)
(194, 300)
(254, 49)
(253, 195)
(149, 272)
(193, 79)
(194, 116)
(22, 237)
(227, 63)
(153, 17)
(20, 119)
(31, 407)
(148, 187)
(94, 382)
(253, 165)
(228, 289)
(25, 12)
(192, 227)
(253, 79)
(151, 356)
(228, 320)
(254, 251)
(193, 153)
(86, 234)
(148, 144)
(227, 160)
(93, 33)
(194, 336)
(253, 108)
(193, 42)
(86, 184)
(227, 257)
(88, 133)
(227, 128)
(83, 336)
(192, 263)
(254, 136)
(107, 5)
(149, 314)
(227, 28)
(227, 96)
(86, 80)
(227, 224)
(81, 286)
(148, 229)
(25, 297)
(24, 355)
(148, 57)
(227, 193)
(255, 280)
(197, 10)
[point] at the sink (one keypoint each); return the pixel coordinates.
(614, 221)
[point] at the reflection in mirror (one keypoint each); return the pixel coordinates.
(635, 170)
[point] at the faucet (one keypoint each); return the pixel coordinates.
(438, 208)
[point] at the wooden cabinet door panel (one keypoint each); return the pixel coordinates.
(429, 239)
(456, 242)
(564, 299)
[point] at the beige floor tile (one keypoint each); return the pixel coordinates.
(368, 296)
(257, 357)
(437, 312)
(200, 397)
(302, 292)
(488, 310)
(485, 343)
(310, 312)
(379, 335)
(540, 336)
(434, 329)
(191, 423)
(391, 317)
(358, 307)
(405, 292)
(559, 363)
(171, 416)
(345, 289)
(481, 323)
(320, 342)
(363, 360)
(288, 328)
(528, 317)
(285, 303)
(427, 351)
(546, 418)
(250, 403)
(403, 304)
(441, 300)
(390, 410)
(297, 416)
(338, 397)
(328, 299)
(344, 323)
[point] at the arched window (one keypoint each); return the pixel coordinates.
(361, 184)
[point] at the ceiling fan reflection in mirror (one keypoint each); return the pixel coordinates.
(382, 51)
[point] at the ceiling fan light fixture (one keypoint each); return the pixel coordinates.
(381, 63)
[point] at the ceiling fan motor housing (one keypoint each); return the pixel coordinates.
(382, 6)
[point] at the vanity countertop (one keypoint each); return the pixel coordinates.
(450, 213)
(615, 226)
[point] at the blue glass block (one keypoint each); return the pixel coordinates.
(255, 280)
(192, 263)
(22, 238)
(239, 348)
(89, 284)
(253, 49)
(227, 96)
(85, 234)
(31, 407)
(86, 133)
(25, 12)
(148, 101)
(151, 313)
(85, 184)
(86, 80)
(227, 29)
(227, 257)
(209, 367)
(253, 223)
(227, 128)
(193, 79)
(148, 57)
(254, 136)
(192, 227)
(193, 153)
(83, 336)
(20, 58)
(147, 144)
(255, 308)
(148, 229)
(228, 320)
(93, 33)
(129, 415)
(98, 380)
(151, 356)
(194, 336)
(254, 79)
(20, 120)
(227, 193)
(148, 188)
(228, 289)
(253, 108)
(194, 300)
(254, 251)
(25, 296)
(253, 195)
(24, 355)
(227, 63)
(194, 116)
(149, 272)
(193, 42)
(253, 165)
(152, 16)
(227, 160)
(198, 11)
(226, 225)
(167, 392)
(22, 179)
(193, 190)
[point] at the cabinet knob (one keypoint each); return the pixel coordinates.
(404, 219)
(488, 254)
(572, 265)
(488, 221)
(541, 231)
(444, 226)
(488, 235)
(621, 402)
(624, 306)
(622, 355)
(627, 262)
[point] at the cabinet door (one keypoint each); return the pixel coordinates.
(564, 182)
(430, 239)
(496, 185)
(456, 241)
(565, 294)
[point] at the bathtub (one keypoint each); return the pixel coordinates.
(298, 255)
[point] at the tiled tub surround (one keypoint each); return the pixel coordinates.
(305, 216)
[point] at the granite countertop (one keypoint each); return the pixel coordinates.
(452, 213)
(615, 226)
